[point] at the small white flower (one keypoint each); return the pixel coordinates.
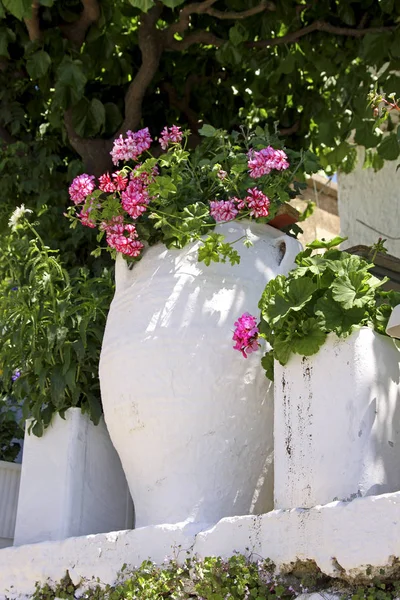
(17, 215)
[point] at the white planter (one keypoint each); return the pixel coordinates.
(191, 419)
(358, 191)
(72, 483)
(9, 487)
(337, 422)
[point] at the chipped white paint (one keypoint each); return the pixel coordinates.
(190, 418)
(337, 422)
(342, 538)
(72, 482)
(369, 205)
(10, 474)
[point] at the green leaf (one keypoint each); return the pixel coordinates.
(317, 244)
(70, 84)
(38, 64)
(282, 349)
(172, 3)
(267, 362)
(309, 339)
(297, 293)
(389, 148)
(395, 45)
(333, 317)
(4, 41)
(95, 410)
(113, 117)
(387, 5)
(143, 5)
(37, 429)
(352, 290)
(88, 118)
(271, 289)
(207, 131)
(238, 34)
(19, 8)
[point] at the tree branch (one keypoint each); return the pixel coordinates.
(317, 26)
(184, 16)
(205, 7)
(151, 44)
(197, 37)
(219, 14)
(289, 130)
(76, 32)
(95, 153)
(32, 24)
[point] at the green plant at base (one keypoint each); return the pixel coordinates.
(51, 330)
(334, 292)
(216, 578)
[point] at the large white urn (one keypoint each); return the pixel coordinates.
(191, 419)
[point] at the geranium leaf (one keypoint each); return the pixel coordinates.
(319, 244)
(352, 290)
(309, 339)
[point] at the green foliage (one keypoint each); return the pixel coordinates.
(215, 578)
(315, 87)
(334, 292)
(11, 432)
(52, 327)
(211, 579)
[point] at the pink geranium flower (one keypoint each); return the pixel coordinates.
(170, 135)
(223, 210)
(81, 187)
(245, 335)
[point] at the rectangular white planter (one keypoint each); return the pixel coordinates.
(72, 483)
(10, 474)
(336, 422)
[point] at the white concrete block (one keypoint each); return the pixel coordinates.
(346, 541)
(96, 556)
(10, 474)
(337, 422)
(369, 205)
(72, 483)
(191, 418)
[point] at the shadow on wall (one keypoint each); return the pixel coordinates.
(384, 417)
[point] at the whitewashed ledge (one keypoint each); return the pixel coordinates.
(343, 538)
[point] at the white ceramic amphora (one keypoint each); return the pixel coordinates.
(191, 419)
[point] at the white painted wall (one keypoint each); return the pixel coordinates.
(342, 538)
(337, 421)
(369, 205)
(72, 483)
(191, 419)
(10, 474)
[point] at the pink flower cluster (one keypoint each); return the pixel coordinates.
(246, 334)
(262, 162)
(122, 237)
(257, 202)
(223, 210)
(226, 210)
(131, 146)
(170, 135)
(116, 183)
(81, 187)
(136, 197)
